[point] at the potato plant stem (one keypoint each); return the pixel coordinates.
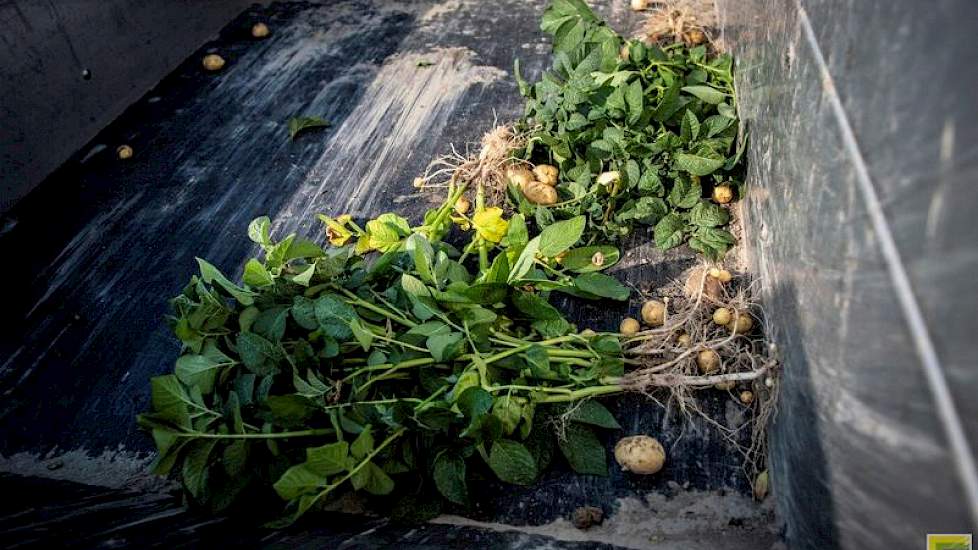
(583, 393)
(278, 435)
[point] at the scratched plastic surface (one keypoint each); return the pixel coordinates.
(102, 244)
(861, 456)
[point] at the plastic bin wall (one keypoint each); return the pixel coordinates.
(68, 68)
(860, 217)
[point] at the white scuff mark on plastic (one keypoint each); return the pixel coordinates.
(440, 9)
(945, 166)
(403, 106)
(854, 413)
(112, 468)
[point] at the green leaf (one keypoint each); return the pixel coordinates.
(304, 312)
(211, 274)
(298, 480)
(487, 293)
(706, 93)
(583, 451)
(363, 444)
(170, 400)
(634, 98)
(201, 370)
(602, 285)
(509, 411)
(712, 242)
(669, 231)
(444, 347)
(258, 231)
(474, 402)
(258, 354)
(449, 476)
(329, 459)
(524, 263)
(373, 479)
(256, 275)
(560, 236)
(300, 123)
(334, 316)
(690, 128)
(582, 259)
(594, 413)
(195, 467)
(727, 111)
(703, 163)
(270, 324)
(235, 458)
(362, 334)
(512, 462)
(685, 193)
(534, 306)
(305, 277)
(707, 214)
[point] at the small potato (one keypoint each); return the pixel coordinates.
(462, 205)
(640, 454)
(639, 5)
(124, 152)
(539, 193)
(629, 326)
(725, 386)
(213, 62)
(721, 316)
(259, 30)
(696, 37)
(708, 361)
(418, 183)
(722, 194)
(546, 174)
(519, 175)
(684, 340)
(746, 397)
(608, 178)
(762, 485)
(654, 313)
(742, 324)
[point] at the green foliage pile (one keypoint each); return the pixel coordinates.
(663, 118)
(393, 373)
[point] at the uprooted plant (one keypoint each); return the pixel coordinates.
(333, 371)
(631, 135)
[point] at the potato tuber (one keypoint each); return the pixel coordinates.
(519, 175)
(124, 152)
(546, 174)
(721, 316)
(539, 193)
(640, 454)
(722, 194)
(213, 62)
(708, 361)
(259, 30)
(629, 326)
(653, 313)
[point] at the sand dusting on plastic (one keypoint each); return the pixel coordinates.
(687, 520)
